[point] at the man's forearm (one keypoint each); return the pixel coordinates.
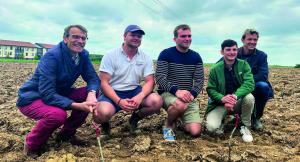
(109, 92)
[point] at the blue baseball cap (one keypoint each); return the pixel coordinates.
(133, 28)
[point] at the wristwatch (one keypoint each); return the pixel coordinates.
(92, 91)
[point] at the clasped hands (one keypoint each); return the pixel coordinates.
(131, 104)
(229, 101)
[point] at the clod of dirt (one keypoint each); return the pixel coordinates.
(63, 158)
(142, 144)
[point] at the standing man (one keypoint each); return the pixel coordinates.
(229, 88)
(121, 73)
(180, 78)
(49, 93)
(259, 66)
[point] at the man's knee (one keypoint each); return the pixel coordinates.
(57, 116)
(212, 125)
(104, 111)
(249, 99)
(179, 106)
(155, 101)
(194, 129)
(262, 88)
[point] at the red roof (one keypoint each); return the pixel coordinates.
(44, 45)
(16, 43)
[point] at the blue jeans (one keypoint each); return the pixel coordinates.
(261, 94)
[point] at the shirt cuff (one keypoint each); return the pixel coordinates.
(173, 90)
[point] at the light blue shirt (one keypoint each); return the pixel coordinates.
(126, 74)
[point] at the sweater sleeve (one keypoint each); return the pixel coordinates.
(161, 74)
(198, 79)
(47, 69)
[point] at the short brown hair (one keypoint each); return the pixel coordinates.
(183, 27)
(68, 28)
(250, 31)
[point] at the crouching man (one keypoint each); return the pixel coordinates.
(122, 71)
(229, 89)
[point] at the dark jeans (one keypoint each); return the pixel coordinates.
(261, 94)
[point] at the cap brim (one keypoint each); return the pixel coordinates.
(138, 30)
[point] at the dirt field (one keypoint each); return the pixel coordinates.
(278, 142)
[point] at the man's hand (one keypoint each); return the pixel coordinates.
(137, 100)
(229, 101)
(184, 95)
(232, 99)
(84, 106)
(91, 97)
(229, 106)
(127, 105)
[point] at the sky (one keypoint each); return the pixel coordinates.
(211, 22)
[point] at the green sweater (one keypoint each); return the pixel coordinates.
(216, 86)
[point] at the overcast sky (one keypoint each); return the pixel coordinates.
(212, 21)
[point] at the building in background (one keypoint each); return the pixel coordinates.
(22, 50)
(43, 48)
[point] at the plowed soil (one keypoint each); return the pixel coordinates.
(279, 141)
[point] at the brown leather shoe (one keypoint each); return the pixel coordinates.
(74, 140)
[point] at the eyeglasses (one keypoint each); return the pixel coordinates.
(77, 37)
(184, 36)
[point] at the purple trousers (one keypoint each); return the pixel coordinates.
(50, 118)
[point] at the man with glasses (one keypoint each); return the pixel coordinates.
(180, 78)
(121, 72)
(50, 92)
(259, 66)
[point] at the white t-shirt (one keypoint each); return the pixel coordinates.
(126, 74)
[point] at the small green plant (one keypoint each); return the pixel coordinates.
(297, 66)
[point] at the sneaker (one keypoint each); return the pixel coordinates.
(74, 140)
(133, 122)
(257, 125)
(246, 134)
(105, 130)
(168, 133)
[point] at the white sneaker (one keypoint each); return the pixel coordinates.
(246, 134)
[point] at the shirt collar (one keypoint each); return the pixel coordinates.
(123, 52)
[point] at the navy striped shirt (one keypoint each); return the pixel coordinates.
(176, 70)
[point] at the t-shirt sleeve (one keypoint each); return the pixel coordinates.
(148, 70)
(106, 64)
